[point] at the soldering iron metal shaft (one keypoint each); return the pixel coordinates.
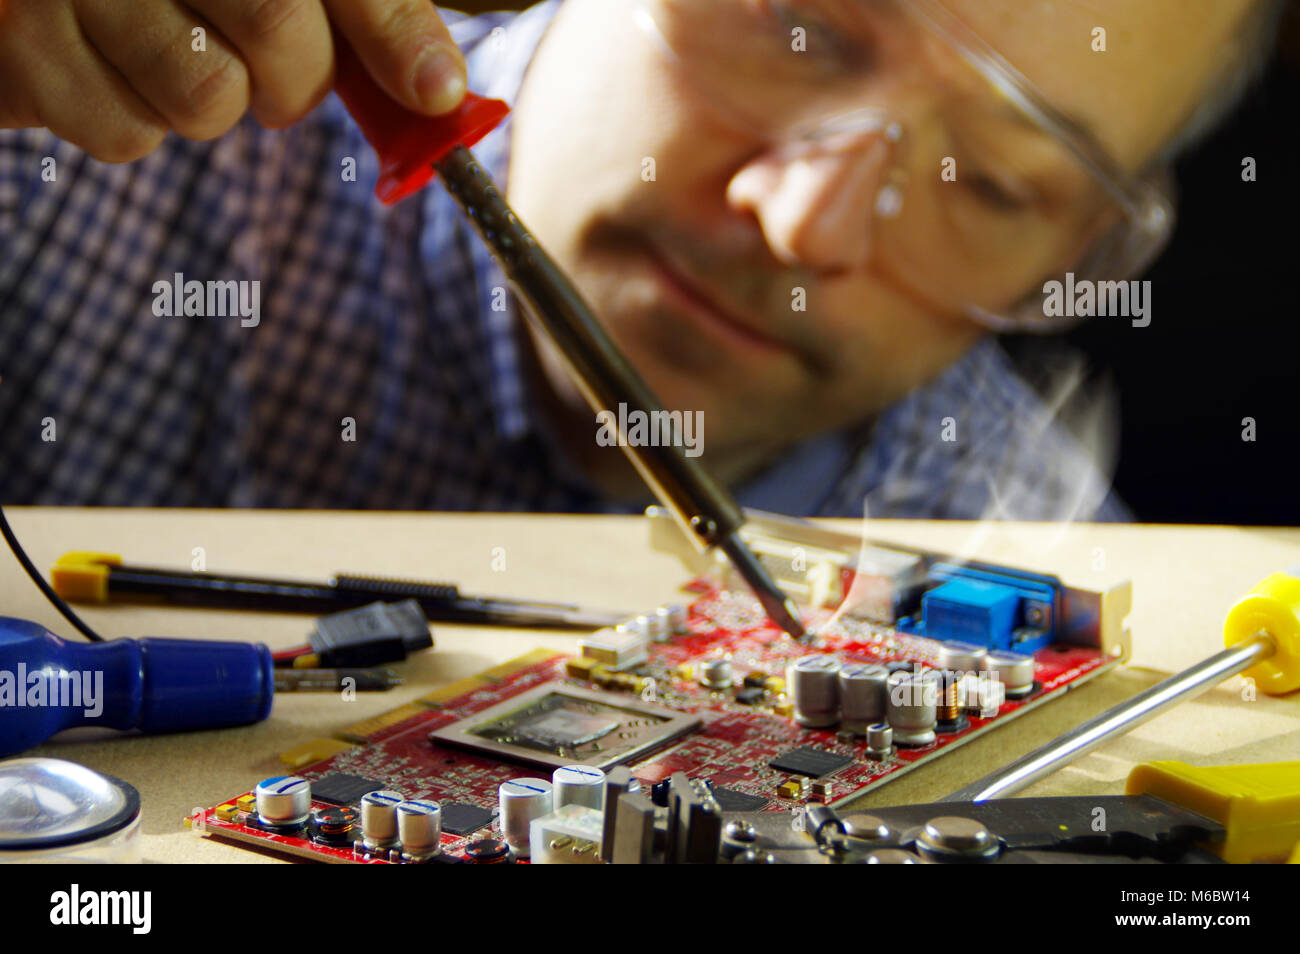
(706, 511)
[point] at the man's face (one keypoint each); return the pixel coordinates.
(697, 243)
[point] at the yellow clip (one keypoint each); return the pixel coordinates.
(1273, 606)
(1258, 805)
(317, 750)
(82, 575)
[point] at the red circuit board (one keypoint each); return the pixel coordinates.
(731, 748)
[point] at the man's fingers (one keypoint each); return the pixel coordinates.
(81, 97)
(406, 48)
(198, 83)
(287, 48)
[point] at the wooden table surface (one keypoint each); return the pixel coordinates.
(1184, 581)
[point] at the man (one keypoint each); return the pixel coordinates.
(799, 220)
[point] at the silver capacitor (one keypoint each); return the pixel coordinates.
(880, 740)
(911, 703)
(862, 695)
(283, 800)
(717, 673)
(677, 617)
(578, 785)
(962, 657)
(521, 800)
(379, 818)
(1015, 670)
(419, 827)
(813, 684)
(658, 626)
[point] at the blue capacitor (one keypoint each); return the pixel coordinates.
(154, 685)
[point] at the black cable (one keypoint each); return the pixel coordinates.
(44, 587)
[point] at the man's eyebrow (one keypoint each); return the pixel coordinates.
(1073, 126)
(1059, 123)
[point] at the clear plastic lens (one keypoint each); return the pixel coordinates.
(52, 810)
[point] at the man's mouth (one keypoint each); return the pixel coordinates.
(707, 308)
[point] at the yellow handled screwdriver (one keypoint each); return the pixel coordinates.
(1262, 633)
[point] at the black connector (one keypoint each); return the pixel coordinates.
(371, 635)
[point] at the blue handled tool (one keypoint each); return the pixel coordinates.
(48, 684)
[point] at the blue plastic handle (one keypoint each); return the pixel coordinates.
(155, 685)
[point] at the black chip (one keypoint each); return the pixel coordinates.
(809, 761)
(750, 697)
(459, 818)
(343, 789)
(757, 678)
(730, 800)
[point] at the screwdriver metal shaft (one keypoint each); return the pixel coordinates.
(1118, 720)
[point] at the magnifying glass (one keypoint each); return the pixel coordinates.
(52, 810)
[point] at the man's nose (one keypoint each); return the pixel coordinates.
(815, 200)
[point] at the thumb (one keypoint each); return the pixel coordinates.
(406, 47)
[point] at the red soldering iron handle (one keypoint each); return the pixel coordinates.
(407, 143)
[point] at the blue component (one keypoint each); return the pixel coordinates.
(1040, 607)
(971, 611)
(154, 685)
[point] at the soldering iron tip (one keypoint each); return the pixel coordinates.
(779, 607)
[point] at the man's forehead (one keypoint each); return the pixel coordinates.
(1134, 94)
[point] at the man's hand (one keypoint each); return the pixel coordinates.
(113, 76)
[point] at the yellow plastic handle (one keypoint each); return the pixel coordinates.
(81, 576)
(1258, 805)
(1274, 606)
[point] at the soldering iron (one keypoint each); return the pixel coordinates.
(410, 148)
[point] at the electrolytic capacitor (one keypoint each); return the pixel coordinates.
(283, 800)
(716, 673)
(677, 617)
(880, 740)
(578, 785)
(862, 695)
(1015, 670)
(419, 827)
(379, 818)
(658, 625)
(520, 801)
(813, 683)
(911, 704)
(962, 657)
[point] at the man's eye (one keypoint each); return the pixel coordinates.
(993, 194)
(822, 39)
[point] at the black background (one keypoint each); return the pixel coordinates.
(1224, 342)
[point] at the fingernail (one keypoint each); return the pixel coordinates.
(439, 81)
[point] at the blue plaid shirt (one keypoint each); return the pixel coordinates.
(377, 323)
